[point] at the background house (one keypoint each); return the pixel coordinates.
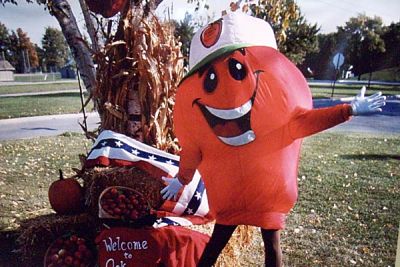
(6, 71)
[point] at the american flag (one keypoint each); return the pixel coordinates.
(114, 149)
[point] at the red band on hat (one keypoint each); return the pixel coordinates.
(211, 34)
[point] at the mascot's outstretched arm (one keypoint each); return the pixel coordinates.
(317, 120)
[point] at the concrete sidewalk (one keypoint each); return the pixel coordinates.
(9, 83)
(42, 93)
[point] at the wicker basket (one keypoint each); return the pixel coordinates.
(123, 203)
(69, 250)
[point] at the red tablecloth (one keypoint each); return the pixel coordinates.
(168, 246)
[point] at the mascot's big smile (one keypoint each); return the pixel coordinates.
(231, 126)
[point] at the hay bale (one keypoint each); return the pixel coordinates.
(37, 234)
(99, 178)
(232, 254)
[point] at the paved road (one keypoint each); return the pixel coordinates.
(21, 128)
(387, 122)
(376, 124)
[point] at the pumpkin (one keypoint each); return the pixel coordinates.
(107, 8)
(66, 195)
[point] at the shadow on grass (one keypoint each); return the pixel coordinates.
(27, 245)
(7, 246)
(371, 156)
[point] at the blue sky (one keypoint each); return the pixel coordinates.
(328, 14)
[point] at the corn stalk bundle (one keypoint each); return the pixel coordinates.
(138, 73)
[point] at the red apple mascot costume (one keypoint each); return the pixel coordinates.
(240, 115)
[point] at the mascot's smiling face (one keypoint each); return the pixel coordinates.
(229, 87)
(243, 95)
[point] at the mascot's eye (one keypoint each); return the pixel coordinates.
(237, 69)
(211, 80)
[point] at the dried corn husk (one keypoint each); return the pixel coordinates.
(137, 77)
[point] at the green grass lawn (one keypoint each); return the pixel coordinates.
(37, 77)
(347, 212)
(61, 103)
(391, 74)
(35, 88)
(25, 106)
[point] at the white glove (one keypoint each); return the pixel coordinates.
(363, 105)
(172, 189)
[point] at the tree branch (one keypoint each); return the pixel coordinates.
(80, 50)
(89, 25)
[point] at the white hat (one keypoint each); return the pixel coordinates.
(233, 31)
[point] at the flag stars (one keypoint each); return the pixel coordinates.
(197, 195)
(104, 143)
(170, 162)
(118, 143)
(135, 152)
(189, 211)
(152, 157)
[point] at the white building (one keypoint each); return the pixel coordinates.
(6, 71)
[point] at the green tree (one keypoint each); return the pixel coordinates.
(184, 31)
(301, 40)
(28, 59)
(295, 36)
(40, 53)
(13, 52)
(391, 37)
(5, 41)
(364, 43)
(318, 64)
(18, 49)
(55, 49)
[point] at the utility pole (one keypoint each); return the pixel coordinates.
(28, 60)
(23, 58)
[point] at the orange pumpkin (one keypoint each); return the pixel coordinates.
(106, 8)
(240, 119)
(66, 196)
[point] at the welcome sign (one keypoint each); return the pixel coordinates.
(167, 246)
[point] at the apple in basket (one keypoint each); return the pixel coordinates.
(69, 251)
(124, 203)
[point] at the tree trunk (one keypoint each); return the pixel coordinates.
(80, 50)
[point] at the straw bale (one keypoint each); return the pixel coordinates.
(99, 178)
(231, 254)
(37, 234)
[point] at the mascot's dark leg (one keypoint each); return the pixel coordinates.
(219, 238)
(272, 246)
